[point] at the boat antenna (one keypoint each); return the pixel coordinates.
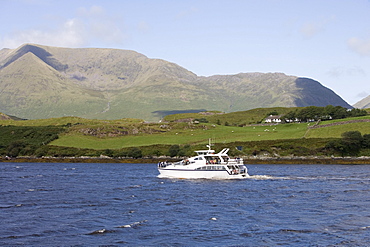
(209, 144)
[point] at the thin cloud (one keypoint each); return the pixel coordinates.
(339, 71)
(359, 46)
(143, 26)
(69, 34)
(362, 95)
(311, 29)
(91, 24)
(91, 12)
(186, 13)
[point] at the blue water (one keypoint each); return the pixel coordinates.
(127, 205)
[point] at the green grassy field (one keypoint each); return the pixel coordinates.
(122, 134)
(336, 131)
(218, 133)
(239, 118)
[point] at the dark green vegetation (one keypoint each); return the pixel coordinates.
(351, 143)
(45, 82)
(257, 116)
(26, 140)
(322, 113)
(181, 134)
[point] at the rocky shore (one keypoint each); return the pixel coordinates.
(247, 160)
(308, 160)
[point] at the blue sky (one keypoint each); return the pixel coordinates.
(326, 40)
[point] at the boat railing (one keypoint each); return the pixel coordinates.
(235, 170)
(165, 164)
(162, 164)
(224, 151)
(236, 160)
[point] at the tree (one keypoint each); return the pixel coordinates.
(14, 148)
(108, 152)
(339, 112)
(350, 144)
(352, 139)
(310, 113)
(274, 113)
(290, 116)
(336, 145)
(355, 112)
(184, 151)
(135, 153)
(174, 150)
(366, 141)
(42, 151)
(156, 152)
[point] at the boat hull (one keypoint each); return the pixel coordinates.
(199, 174)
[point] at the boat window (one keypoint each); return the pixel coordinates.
(201, 168)
(213, 160)
(211, 168)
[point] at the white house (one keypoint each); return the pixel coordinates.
(273, 119)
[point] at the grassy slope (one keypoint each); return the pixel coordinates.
(336, 131)
(220, 134)
(184, 133)
(234, 118)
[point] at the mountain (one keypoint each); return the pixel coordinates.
(363, 104)
(42, 82)
(4, 116)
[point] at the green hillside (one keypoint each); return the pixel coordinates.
(184, 133)
(73, 136)
(240, 118)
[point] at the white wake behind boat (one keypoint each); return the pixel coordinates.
(206, 164)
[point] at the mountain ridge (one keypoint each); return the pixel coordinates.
(364, 103)
(112, 83)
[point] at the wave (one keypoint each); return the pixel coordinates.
(104, 230)
(265, 177)
(133, 224)
(269, 177)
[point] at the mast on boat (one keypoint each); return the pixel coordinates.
(209, 144)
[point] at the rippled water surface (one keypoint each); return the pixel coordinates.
(127, 205)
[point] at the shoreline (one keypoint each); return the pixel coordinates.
(247, 160)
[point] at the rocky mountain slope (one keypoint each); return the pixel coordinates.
(363, 104)
(42, 82)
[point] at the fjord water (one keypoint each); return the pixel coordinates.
(127, 205)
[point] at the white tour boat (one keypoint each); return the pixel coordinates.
(206, 164)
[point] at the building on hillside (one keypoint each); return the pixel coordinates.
(273, 119)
